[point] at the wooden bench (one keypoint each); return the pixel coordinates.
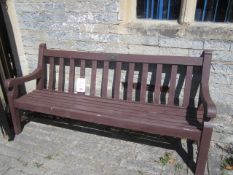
(152, 107)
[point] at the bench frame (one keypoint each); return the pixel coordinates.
(206, 103)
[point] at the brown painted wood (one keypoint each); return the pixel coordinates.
(144, 82)
(172, 85)
(61, 75)
(84, 108)
(80, 104)
(93, 78)
(117, 80)
(41, 65)
(130, 81)
(15, 115)
(51, 74)
(105, 79)
(71, 75)
(82, 69)
(172, 110)
(188, 83)
(181, 60)
(203, 149)
(206, 101)
(159, 70)
(169, 120)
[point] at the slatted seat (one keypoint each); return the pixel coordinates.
(146, 118)
(152, 94)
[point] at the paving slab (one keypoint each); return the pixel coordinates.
(47, 147)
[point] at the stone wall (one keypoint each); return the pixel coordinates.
(97, 25)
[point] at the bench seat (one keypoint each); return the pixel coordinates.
(123, 114)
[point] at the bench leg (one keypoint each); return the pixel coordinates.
(203, 149)
(15, 115)
(16, 119)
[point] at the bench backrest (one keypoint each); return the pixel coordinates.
(144, 78)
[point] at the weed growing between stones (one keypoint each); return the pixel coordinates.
(168, 159)
(227, 163)
(37, 165)
(165, 159)
(178, 167)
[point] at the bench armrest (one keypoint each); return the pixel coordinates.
(209, 106)
(12, 82)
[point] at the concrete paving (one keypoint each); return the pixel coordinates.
(54, 148)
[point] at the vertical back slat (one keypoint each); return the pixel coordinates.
(82, 69)
(172, 85)
(105, 79)
(51, 73)
(144, 82)
(93, 78)
(42, 65)
(61, 74)
(117, 80)
(71, 75)
(188, 83)
(158, 76)
(130, 81)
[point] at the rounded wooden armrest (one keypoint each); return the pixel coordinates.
(10, 83)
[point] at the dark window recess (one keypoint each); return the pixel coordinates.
(158, 9)
(214, 10)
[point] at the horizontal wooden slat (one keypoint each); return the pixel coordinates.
(177, 60)
(102, 117)
(109, 109)
(171, 110)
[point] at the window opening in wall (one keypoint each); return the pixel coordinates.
(158, 9)
(214, 10)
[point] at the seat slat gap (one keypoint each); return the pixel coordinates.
(93, 78)
(51, 73)
(61, 74)
(71, 75)
(158, 78)
(188, 83)
(144, 82)
(117, 80)
(172, 85)
(130, 81)
(105, 79)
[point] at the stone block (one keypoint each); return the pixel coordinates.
(217, 45)
(222, 68)
(195, 53)
(222, 56)
(144, 50)
(139, 40)
(180, 43)
(173, 51)
(112, 6)
(92, 17)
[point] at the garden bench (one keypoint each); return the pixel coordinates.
(152, 107)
